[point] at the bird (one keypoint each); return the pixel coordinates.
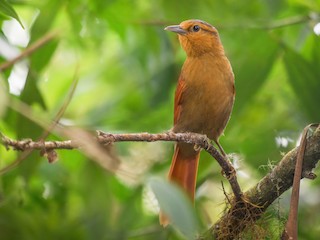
(203, 101)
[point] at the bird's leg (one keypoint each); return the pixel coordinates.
(233, 171)
(221, 149)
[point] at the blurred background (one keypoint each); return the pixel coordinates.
(109, 65)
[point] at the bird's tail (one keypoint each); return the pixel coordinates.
(183, 171)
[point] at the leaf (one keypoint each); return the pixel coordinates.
(46, 18)
(8, 10)
(251, 63)
(161, 84)
(41, 58)
(175, 204)
(42, 25)
(3, 98)
(31, 93)
(305, 81)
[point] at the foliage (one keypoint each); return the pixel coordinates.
(127, 67)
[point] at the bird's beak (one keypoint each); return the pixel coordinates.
(176, 29)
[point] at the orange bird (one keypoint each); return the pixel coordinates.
(203, 100)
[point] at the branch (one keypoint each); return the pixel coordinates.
(28, 51)
(242, 215)
(28, 144)
(288, 22)
(107, 138)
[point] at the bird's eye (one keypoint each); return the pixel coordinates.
(196, 28)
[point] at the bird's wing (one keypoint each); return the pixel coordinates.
(178, 98)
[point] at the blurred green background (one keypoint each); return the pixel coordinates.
(127, 68)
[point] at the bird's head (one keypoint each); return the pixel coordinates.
(197, 37)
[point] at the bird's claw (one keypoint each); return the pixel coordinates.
(231, 174)
(197, 147)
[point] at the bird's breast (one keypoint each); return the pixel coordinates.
(208, 97)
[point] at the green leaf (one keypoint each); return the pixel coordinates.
(46, 18)
(175, 204)
(8, 10)
(31, 93)
(3, 97)
(42, 25)
(304, 79)
(39, 59)
(251, 63)
(161, 84)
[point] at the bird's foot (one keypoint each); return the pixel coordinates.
(197, 147)
(231, 174)
(207, 143)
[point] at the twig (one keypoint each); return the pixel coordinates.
(288, 22)
(194, 138)
(276, 24)
(28, 144)
(106, 138)
(225, 193)
(28, 51)
(49, 127)
(64, 105)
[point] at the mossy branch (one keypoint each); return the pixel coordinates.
(243, 214)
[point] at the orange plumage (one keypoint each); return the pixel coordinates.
(203, 100)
